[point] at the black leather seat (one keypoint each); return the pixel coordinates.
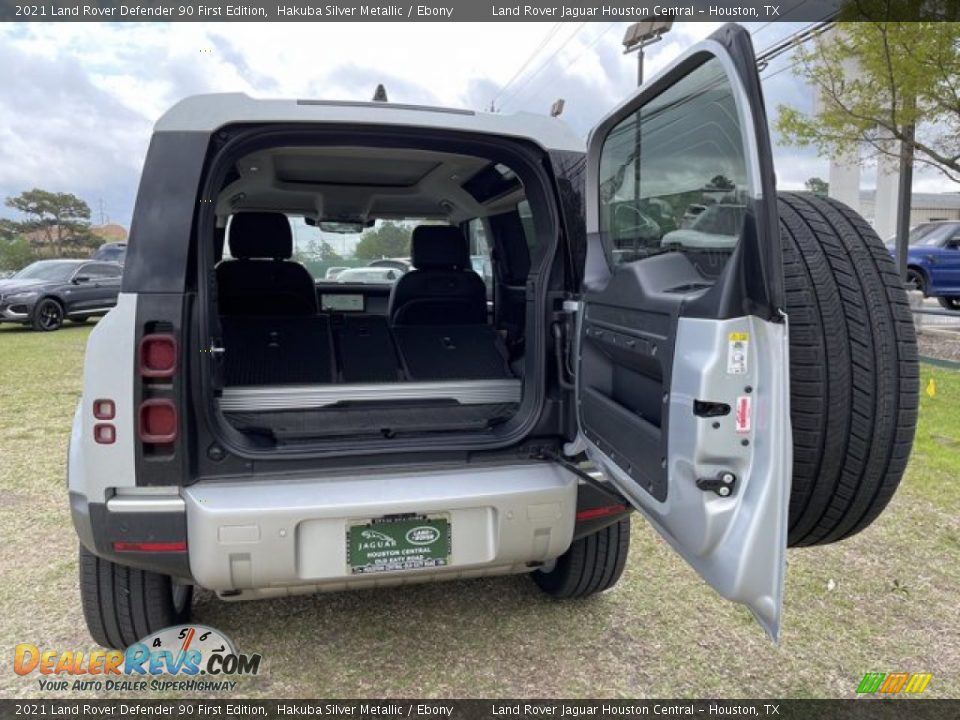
(444, 289)
(260, 279)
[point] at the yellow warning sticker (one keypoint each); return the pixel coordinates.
(737, 353)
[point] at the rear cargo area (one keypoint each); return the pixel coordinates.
(290, 378)
(375, 292)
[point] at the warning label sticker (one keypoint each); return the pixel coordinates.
(737, 347)
(742, 415)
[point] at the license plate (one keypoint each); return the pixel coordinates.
(402, 544)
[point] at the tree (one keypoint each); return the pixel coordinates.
(817, 185)
(15, 253)
(326, 253)
(317, 250)
(388, 240)
(720, 182)
(906, 75)
(62, 218)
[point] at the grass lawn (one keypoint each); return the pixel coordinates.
(884, 601)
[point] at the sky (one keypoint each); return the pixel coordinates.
(78, 100)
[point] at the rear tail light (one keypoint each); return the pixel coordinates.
(104, 434)
(150, 546)
(600, 512)
(158, 421)
(158, 356)
(104, 409)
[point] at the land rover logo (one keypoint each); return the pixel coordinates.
(423, 535)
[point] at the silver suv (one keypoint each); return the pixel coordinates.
(250, 429)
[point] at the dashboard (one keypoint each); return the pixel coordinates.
(353, 297)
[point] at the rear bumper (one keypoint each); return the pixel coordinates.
(282, 535)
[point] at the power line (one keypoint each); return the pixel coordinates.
(543, 67)
(577, 58)
(546, 38)
(789, 43)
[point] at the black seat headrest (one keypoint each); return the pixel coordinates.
(261, 235)
(439, 247)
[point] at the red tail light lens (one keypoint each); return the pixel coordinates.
(104, 434)
(158, 356)
(158, 421)
(150, 546)
(104, 409)
(600, 512)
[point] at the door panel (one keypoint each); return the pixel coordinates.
(683, 369)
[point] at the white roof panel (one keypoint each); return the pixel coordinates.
(207, 113)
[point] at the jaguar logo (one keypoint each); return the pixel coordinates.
(423, 535)
(376, 539)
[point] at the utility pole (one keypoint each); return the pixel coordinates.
(637, 37)
(905, 190)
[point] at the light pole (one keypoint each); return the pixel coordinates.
(639, 35)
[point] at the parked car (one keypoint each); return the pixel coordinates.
(47, 292)
(332, 272)
(716, 228)
(933, 261)
(111, 252)
(378, 275)
(235, 435)
(401, 264)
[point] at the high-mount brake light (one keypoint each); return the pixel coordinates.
(158, 356)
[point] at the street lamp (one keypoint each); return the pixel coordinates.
(640, 35)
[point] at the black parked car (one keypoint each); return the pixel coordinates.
(46, 292)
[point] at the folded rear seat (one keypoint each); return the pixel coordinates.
(365, 350)
(301, 350)
(452, 352)
(277, 350)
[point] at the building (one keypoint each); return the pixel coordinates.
(925, 207)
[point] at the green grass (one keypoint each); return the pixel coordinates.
(884, 600)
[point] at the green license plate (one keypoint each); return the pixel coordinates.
(402, 544)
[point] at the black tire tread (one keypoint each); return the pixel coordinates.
(122, 604)
(853, 368)
(593, 563)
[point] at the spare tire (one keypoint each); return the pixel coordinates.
(853, 369)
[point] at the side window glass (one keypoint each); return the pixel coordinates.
(480, 251)
(673, 175)
(526, 219)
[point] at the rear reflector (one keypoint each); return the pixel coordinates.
(104, 433)
(158, 356)
(104, 409)
(600, 512)
(150, 546)
(158, 421)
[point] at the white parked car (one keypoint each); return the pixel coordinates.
(377, 275)
(716, 228)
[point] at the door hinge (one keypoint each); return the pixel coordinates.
(723, 484)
